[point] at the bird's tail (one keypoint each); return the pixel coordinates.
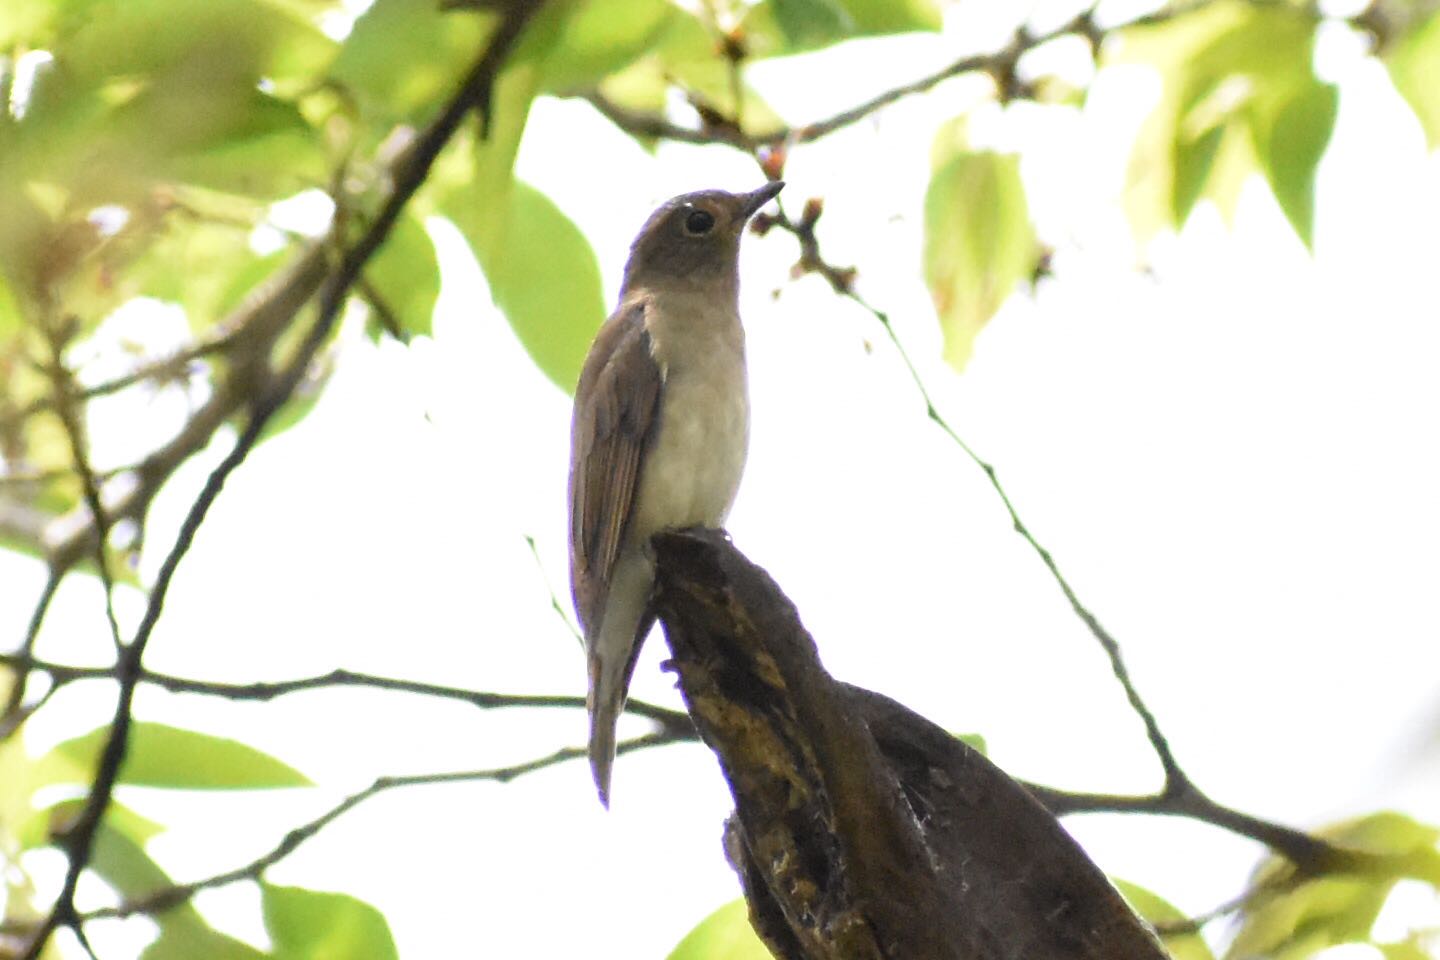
(606, 700)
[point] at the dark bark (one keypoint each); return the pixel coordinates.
(861, 829)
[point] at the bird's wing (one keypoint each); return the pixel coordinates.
(620, 386)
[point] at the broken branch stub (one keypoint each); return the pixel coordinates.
(861, 829)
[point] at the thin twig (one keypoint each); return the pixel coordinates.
(555, 603)
(674, 722)
(67, 408)
(841, 280)
(11, 720)
(170, 897)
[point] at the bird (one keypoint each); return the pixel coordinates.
(659, 432)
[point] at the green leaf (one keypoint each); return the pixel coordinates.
(43, 825)
(603, 37)
(554, 319)
(1156, 910)
(684, 55)
(1294, 141)
(184, 935)
(267, 150)
(808, 23)
(218, 42)
(403, 56)
(1228, 71)
(405, 276)
(724, 935)
(979, 242)
(10, 317)
(309, 925)
(1193, 160)
(164, 756)
(880, 17)
(1414, 65)
(974, 741)
(1331, 910)
(28, 23)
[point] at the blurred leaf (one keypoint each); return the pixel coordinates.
(1231, 72)
(406, 276)
(975, 742)
(194, 263)
(878, 17)
(42, 826)
(231, 42)
(1156, 910)
(1193, 161)
(602, 37)
(1414, 64)
(1293, 144)
(28, 23)
(309, 925)
(979, 242)
(686, 53)
(268, 151)
(164, 756)
(305, 398)
(545, 278)
(724, 935)
(779, 27)
(403, 56)
(808, 23)
(10, 316)
(184, 935)
(1411, 949)
(1332, 910)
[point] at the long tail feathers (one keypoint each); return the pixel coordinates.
(607, 700)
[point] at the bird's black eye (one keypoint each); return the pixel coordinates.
(698, 222)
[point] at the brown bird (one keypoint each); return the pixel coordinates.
(659, 434)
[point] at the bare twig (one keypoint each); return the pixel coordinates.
(676, 723)
(68, 409)
(14, 713)
(841, 280)
(555, 603)
(167, 898)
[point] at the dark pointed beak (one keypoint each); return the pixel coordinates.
(758, 198)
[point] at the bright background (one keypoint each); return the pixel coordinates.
(1228, 444)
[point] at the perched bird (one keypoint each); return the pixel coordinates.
(660, 429)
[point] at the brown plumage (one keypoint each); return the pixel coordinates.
(660, 427)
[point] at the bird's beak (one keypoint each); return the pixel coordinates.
(758, 198)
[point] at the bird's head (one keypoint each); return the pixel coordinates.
(694, 239)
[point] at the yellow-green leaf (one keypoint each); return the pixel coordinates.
(979, 242)
(1294, 140)
(1157, 910)
(602, 38)
(1414, 64)
(724, 935)
(544, 278)
(1229, 71)
(307, 925)
(403, 280)
(165, 756)
(1330, 910)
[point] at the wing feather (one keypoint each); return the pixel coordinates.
(617, 409)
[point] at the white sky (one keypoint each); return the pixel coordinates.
(1233, 457)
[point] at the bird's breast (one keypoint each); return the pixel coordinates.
(693, 466)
